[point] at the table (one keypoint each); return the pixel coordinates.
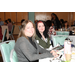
(57, 60)
(58, 39)
(55, 38)
(3, 29)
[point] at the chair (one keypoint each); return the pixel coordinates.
(11, 34)
(6, 48)
(19, 27)
(13, 56)
(5, 31)
(58, 40)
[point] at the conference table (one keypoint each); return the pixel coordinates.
(58, 59)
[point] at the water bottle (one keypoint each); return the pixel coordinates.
(61, 29)
(67, 49)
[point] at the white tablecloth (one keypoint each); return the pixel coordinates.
(69, 36)
(48, 59)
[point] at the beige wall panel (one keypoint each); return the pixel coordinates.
(25, 15)
(13, 16)
(19, 16)
(2, 15)
(47, 15)
(7, 15)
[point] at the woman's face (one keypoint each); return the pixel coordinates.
(66, 24)
(41, 27)
(52, 16)
(29, 30)
(52, 24)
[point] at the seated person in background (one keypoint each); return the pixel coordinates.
(9, 25)
(51, 30)
(61, 23)
(66, 26)
(1, 36)
(48, 24)
(5, 22)
(73, 24)
(23, 20)
(52, 24)
(26, 47)
(73, 32)
(1, 22)
(42, 37)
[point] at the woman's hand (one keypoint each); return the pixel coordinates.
(54, 53)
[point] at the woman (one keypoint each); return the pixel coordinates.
(48, 24)
(5, 22)
(26, 47)
(61, 23)
(42, 37)
(51, 30)
(66, 26)
(9, 25)
(56, 21)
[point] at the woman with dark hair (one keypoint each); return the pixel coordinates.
(23, 20)
(61, 23)
(52, 29)
(5, 22)
(9, 25)
(48, 24)
(42, 37)
(56, 21)
(66, 26)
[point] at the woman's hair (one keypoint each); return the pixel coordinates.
(61, 20)
(66, 22)
(9, 20)
(48, 23)
(22, 20)
(45, 31)
(52, 22)
(21, 33)
(6, 21)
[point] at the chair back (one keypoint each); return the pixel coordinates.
(4, 35)
(6, 48)
(19, 27)
(58, 40)
(13, 56)
(12, 29)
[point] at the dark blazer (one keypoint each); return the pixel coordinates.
(27, 52)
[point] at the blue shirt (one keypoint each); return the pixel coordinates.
(1, 23)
